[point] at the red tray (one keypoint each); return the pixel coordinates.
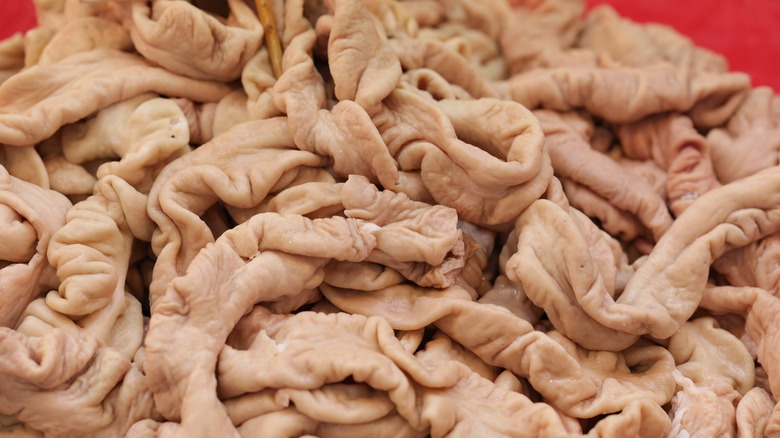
(16, 16)
(747, 32)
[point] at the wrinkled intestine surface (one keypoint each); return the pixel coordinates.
(443, 218)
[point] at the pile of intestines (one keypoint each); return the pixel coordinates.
(452, 217)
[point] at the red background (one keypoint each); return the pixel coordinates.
(15, 16)
(747, 32)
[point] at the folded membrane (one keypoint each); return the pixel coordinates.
(301, 278)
